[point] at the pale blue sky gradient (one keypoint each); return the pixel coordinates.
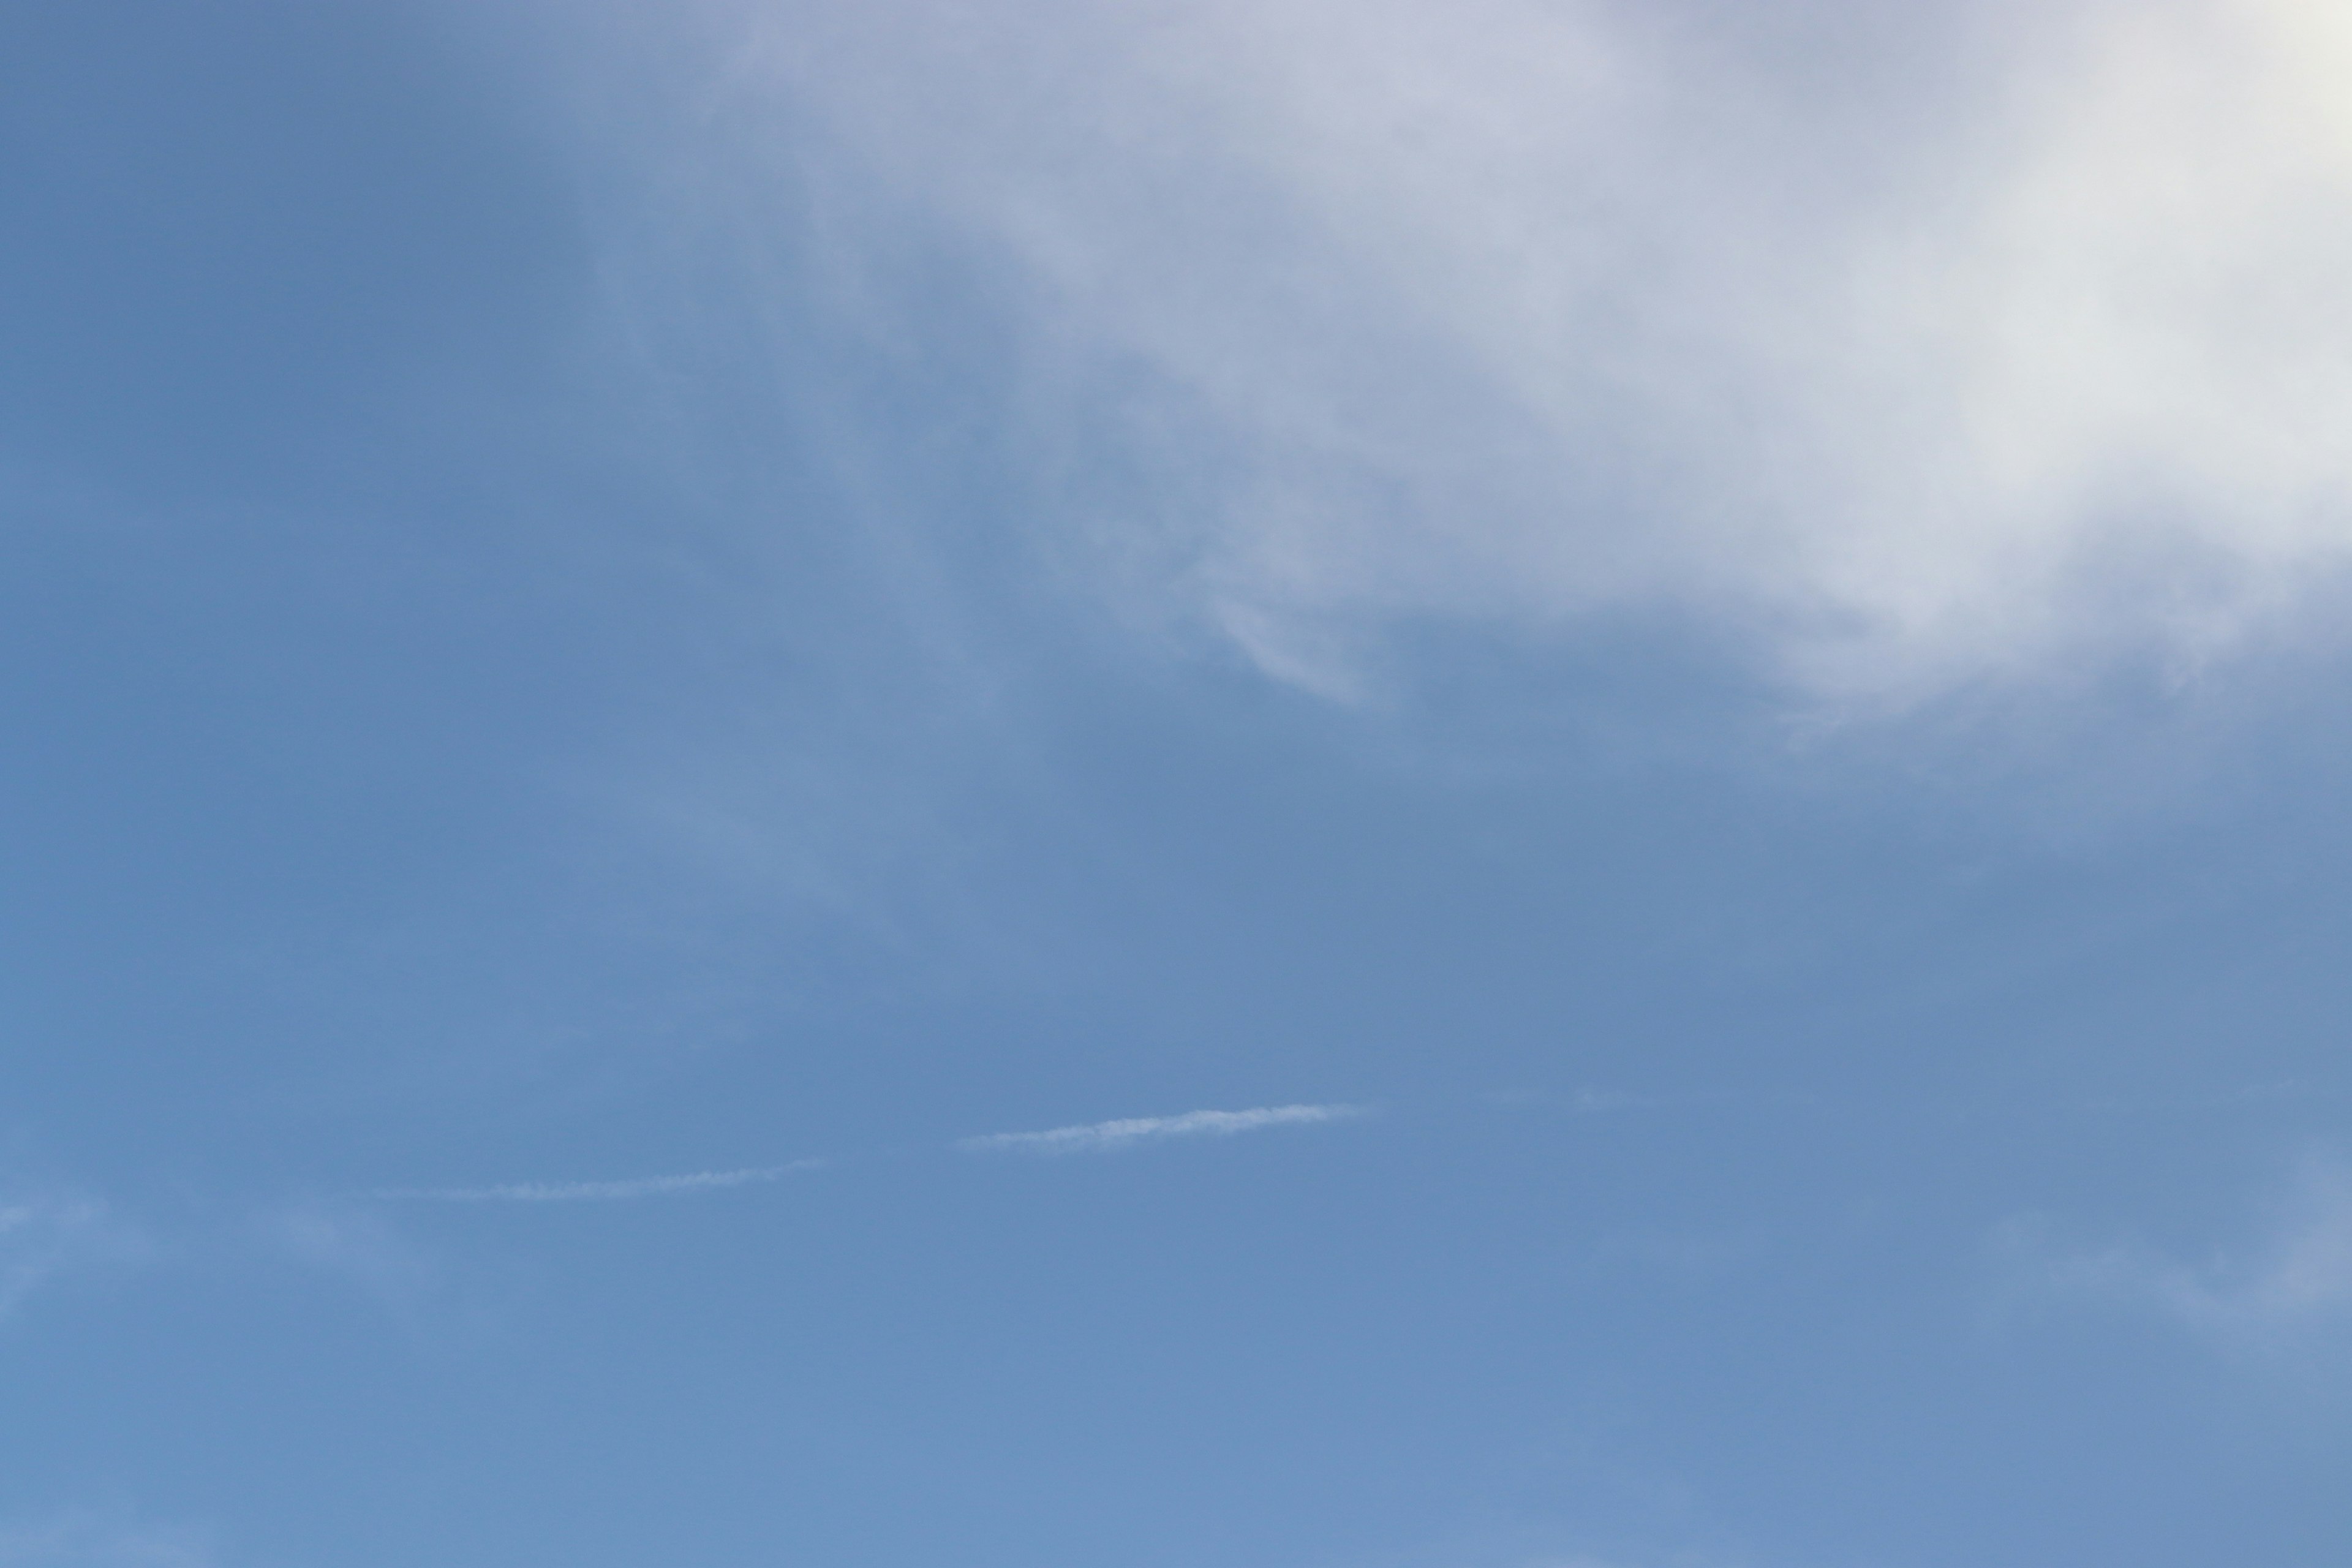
(650, 778)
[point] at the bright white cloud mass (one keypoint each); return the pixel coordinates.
(1961, 342)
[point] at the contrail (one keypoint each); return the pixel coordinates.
(1096, 1137)
(595, 1192)
(1104, 1136)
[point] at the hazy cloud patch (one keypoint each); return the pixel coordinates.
(2293, 1279)
(81, 1540)
(1998, 345)
(45, 1233)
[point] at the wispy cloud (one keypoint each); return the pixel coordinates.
(2022, 341)
(2295, 1279)
(598, 1191)
(45, 1233)
(354, 1242)
(1101, 1137)
(82, 1540)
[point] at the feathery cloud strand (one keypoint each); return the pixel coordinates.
(1911, 348)
(1101, 1137)
(598, 1191)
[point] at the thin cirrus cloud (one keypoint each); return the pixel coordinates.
(598, 1192)
(2296, 1280)
(43, 1235)
(83, 1540)
(1906, 348)
(1100, 1136)
(1103, 1137)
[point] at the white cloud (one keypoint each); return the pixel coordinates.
(2296, 1279)
(598, 1192)
(356, 1245)
(92, 1541)
(1993, 342)
(44, 1235)
(1102, 1136)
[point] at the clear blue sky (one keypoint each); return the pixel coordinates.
(1684, 660)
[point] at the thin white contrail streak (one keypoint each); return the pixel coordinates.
(1104, 1136)
(596, 1192)
(1100, 1136)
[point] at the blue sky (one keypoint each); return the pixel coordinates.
(1521, 786)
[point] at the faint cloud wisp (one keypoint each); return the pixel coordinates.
(82, 1540)
(598, 1191)
(2295, 1282)
(1102, 1137)
(44, 1235)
